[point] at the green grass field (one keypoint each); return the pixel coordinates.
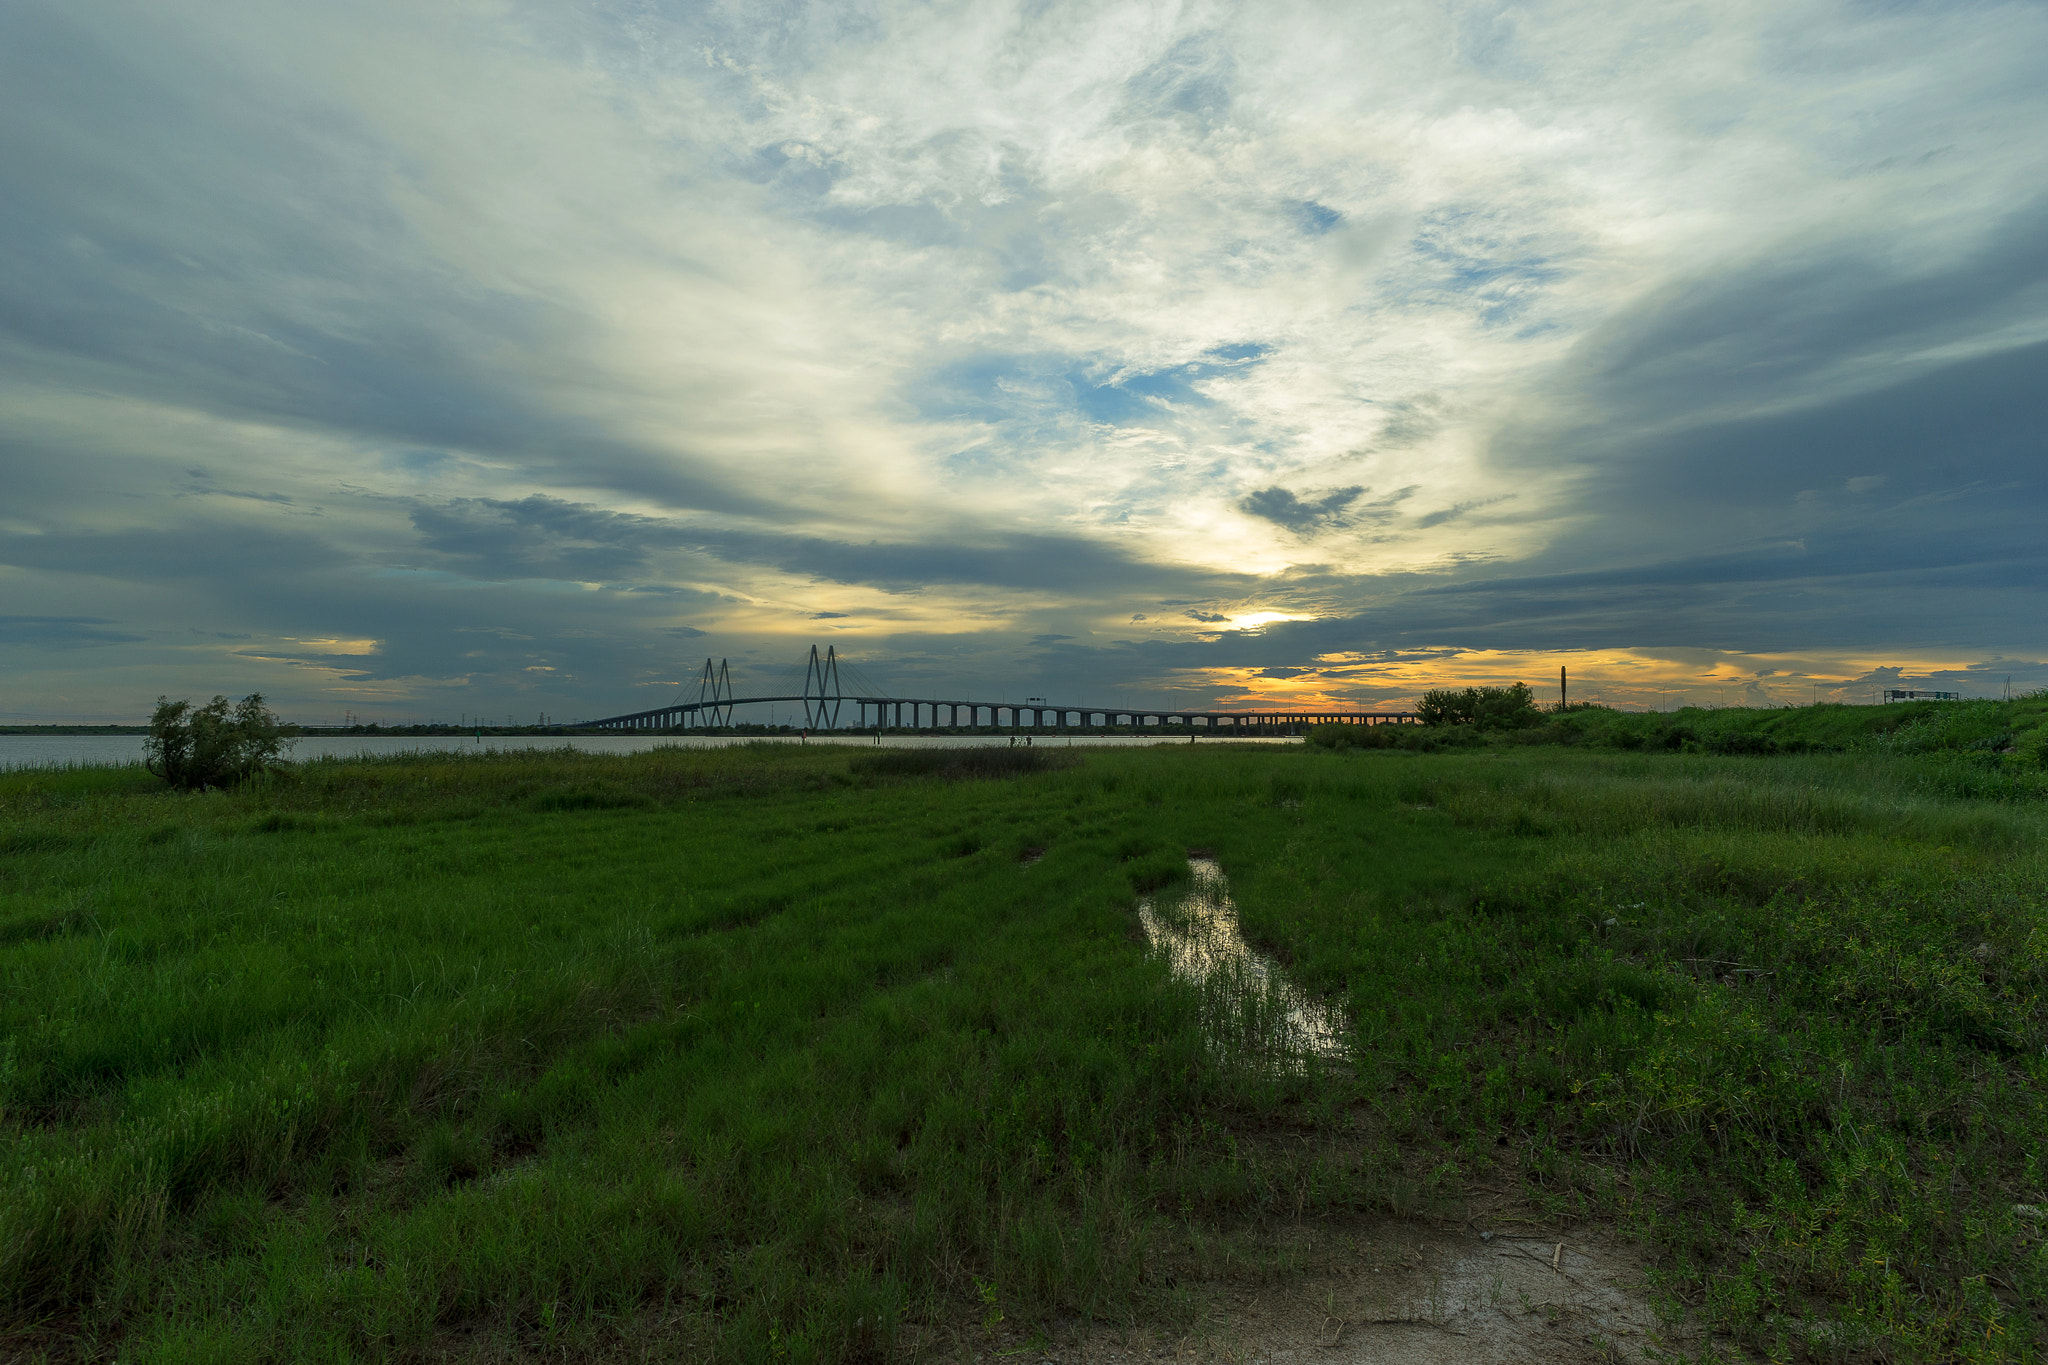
(779, 1053)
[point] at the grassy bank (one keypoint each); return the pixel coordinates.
(779, 1053)
(2005, 742)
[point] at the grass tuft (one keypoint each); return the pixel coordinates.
(954, 765)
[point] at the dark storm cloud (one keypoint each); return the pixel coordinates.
(1337, 509)
(61, 632)
(195, 235)
(1043, 562)
(314, 604)
(1285, 508)
(197, 550)
(1779, 330)
(542, 537)
(1960, 443)
(1775, 468)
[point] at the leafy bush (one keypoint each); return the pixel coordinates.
(1444, 706)
(1488, 708)
(212, 745)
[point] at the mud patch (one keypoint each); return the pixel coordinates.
(1385, 1293)
(1430, 1297)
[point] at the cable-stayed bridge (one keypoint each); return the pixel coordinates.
(834, 696)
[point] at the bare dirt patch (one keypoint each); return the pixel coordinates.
(1381, 1292)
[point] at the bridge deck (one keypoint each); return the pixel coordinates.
(829, 713)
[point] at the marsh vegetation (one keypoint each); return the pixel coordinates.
(792, 1053)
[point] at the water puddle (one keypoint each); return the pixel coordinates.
(1247, 1001)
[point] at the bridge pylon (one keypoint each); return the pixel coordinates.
(821, 706)
(714, 694)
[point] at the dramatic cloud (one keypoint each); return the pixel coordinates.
(420, 361)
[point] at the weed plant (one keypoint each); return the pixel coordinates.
(779, 1053)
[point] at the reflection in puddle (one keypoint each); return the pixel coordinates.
(1247, 998)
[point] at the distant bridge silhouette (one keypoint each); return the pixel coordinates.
(826, 704)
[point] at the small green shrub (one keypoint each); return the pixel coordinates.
(212, 745)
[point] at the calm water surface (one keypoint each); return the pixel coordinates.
(1203, 946)
(46, 751)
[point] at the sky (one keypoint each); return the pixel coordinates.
(475, 359)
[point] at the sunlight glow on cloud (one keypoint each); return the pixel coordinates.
(1625, 679)
(1253, 620)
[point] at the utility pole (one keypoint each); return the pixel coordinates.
(1563, 703)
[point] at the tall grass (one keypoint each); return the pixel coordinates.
(782, 1053)
(1786, 1017)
